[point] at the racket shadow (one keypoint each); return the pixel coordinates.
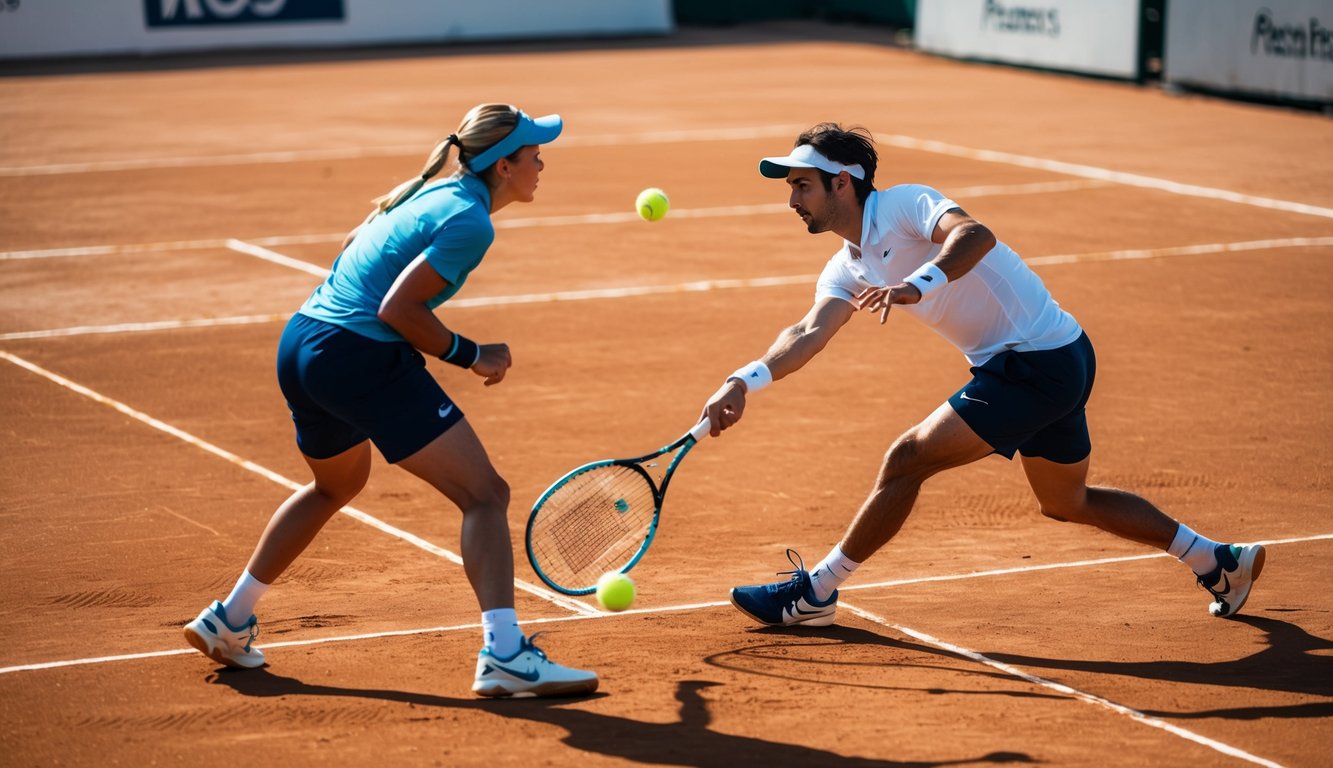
(852, 657)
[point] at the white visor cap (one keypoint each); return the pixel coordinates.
(805, 156)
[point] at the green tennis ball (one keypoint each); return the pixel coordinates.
(652, 204)
(615, 591)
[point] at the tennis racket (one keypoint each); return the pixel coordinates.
(602, 516)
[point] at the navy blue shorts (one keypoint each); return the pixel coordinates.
(344, 388)
(1032, 402)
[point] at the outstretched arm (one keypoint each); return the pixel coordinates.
(793, 348)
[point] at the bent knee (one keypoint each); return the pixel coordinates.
(489, 494)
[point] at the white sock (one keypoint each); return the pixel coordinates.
(500, 630)
(831, 571)
(240, 604)
(1193, 550)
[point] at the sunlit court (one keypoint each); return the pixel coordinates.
(162, 217)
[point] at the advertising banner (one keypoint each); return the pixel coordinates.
(1097, 37)
(59, 28)
(1273, 48)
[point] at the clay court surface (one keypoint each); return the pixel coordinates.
(159, 224)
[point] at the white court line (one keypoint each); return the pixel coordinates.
(401, 150)
(708, 134)
(1056, 566)
(1101, 174)
(1013, 671)
(257, 246)
(697, 286)
(260, 252)
(631, 612)
(355, 514)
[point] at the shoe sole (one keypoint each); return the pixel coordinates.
(822, 620)
(1251, 564)
(200, 643)
(567, 688)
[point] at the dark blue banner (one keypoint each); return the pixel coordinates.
(192, 13)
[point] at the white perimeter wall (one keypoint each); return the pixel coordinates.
(1097, 37)
(46, 28)
(1275, 48)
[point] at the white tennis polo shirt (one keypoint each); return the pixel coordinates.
(1000, 304)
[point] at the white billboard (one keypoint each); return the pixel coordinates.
(1275, 48)
(49, 28)
(1096, 37)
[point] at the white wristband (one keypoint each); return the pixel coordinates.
(927, 279)
(754, 376)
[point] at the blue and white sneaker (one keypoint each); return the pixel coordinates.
(217, 639)
(1238, 567)
(529, 673)
(787, 602)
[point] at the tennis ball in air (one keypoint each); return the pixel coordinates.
(615, 591)
(652, 204)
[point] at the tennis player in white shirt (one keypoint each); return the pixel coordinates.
(1033, 367)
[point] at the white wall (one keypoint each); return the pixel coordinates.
(1276, 48)
(1097, 37)
(45, 28)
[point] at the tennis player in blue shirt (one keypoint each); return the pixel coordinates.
(351, 364)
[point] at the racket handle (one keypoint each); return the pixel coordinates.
(701, 429)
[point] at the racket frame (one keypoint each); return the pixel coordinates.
(682, 446)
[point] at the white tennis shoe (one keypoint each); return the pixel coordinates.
(212, 635)
(1238, 567)
(529, 673)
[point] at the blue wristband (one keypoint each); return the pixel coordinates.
(464, 352)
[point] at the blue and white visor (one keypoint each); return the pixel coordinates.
(805, 156)
(542, 130)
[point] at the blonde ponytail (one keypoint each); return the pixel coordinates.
(482, 127)
(439, 156)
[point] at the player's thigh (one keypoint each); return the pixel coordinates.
(457, 465)
(1061, 489)
(941, 441)
(341, 477)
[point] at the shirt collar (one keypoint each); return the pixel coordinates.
(869, 231)
(477, 186)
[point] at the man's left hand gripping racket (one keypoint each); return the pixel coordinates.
(602, 516)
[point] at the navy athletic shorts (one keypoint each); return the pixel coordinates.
(344, 388)
(1032, 402)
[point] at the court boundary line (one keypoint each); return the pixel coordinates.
(899, 141)
(1088, 698)
(696, 286)
(617, 217)
(596, 614)
(268, 474)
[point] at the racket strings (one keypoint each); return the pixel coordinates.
(594, 523)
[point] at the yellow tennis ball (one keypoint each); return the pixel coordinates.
(615, 591)
(652, 204)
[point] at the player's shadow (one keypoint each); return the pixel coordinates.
(687, 742)
(819, 664)
(1292, 661)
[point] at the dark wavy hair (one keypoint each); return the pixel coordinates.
(849, 146)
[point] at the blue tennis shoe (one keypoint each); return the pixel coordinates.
(786, 603)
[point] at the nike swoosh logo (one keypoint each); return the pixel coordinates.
(973, 399)
(530, 676)
(445, 411)
(797, 610)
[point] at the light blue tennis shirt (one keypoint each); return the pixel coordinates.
(449, 222)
